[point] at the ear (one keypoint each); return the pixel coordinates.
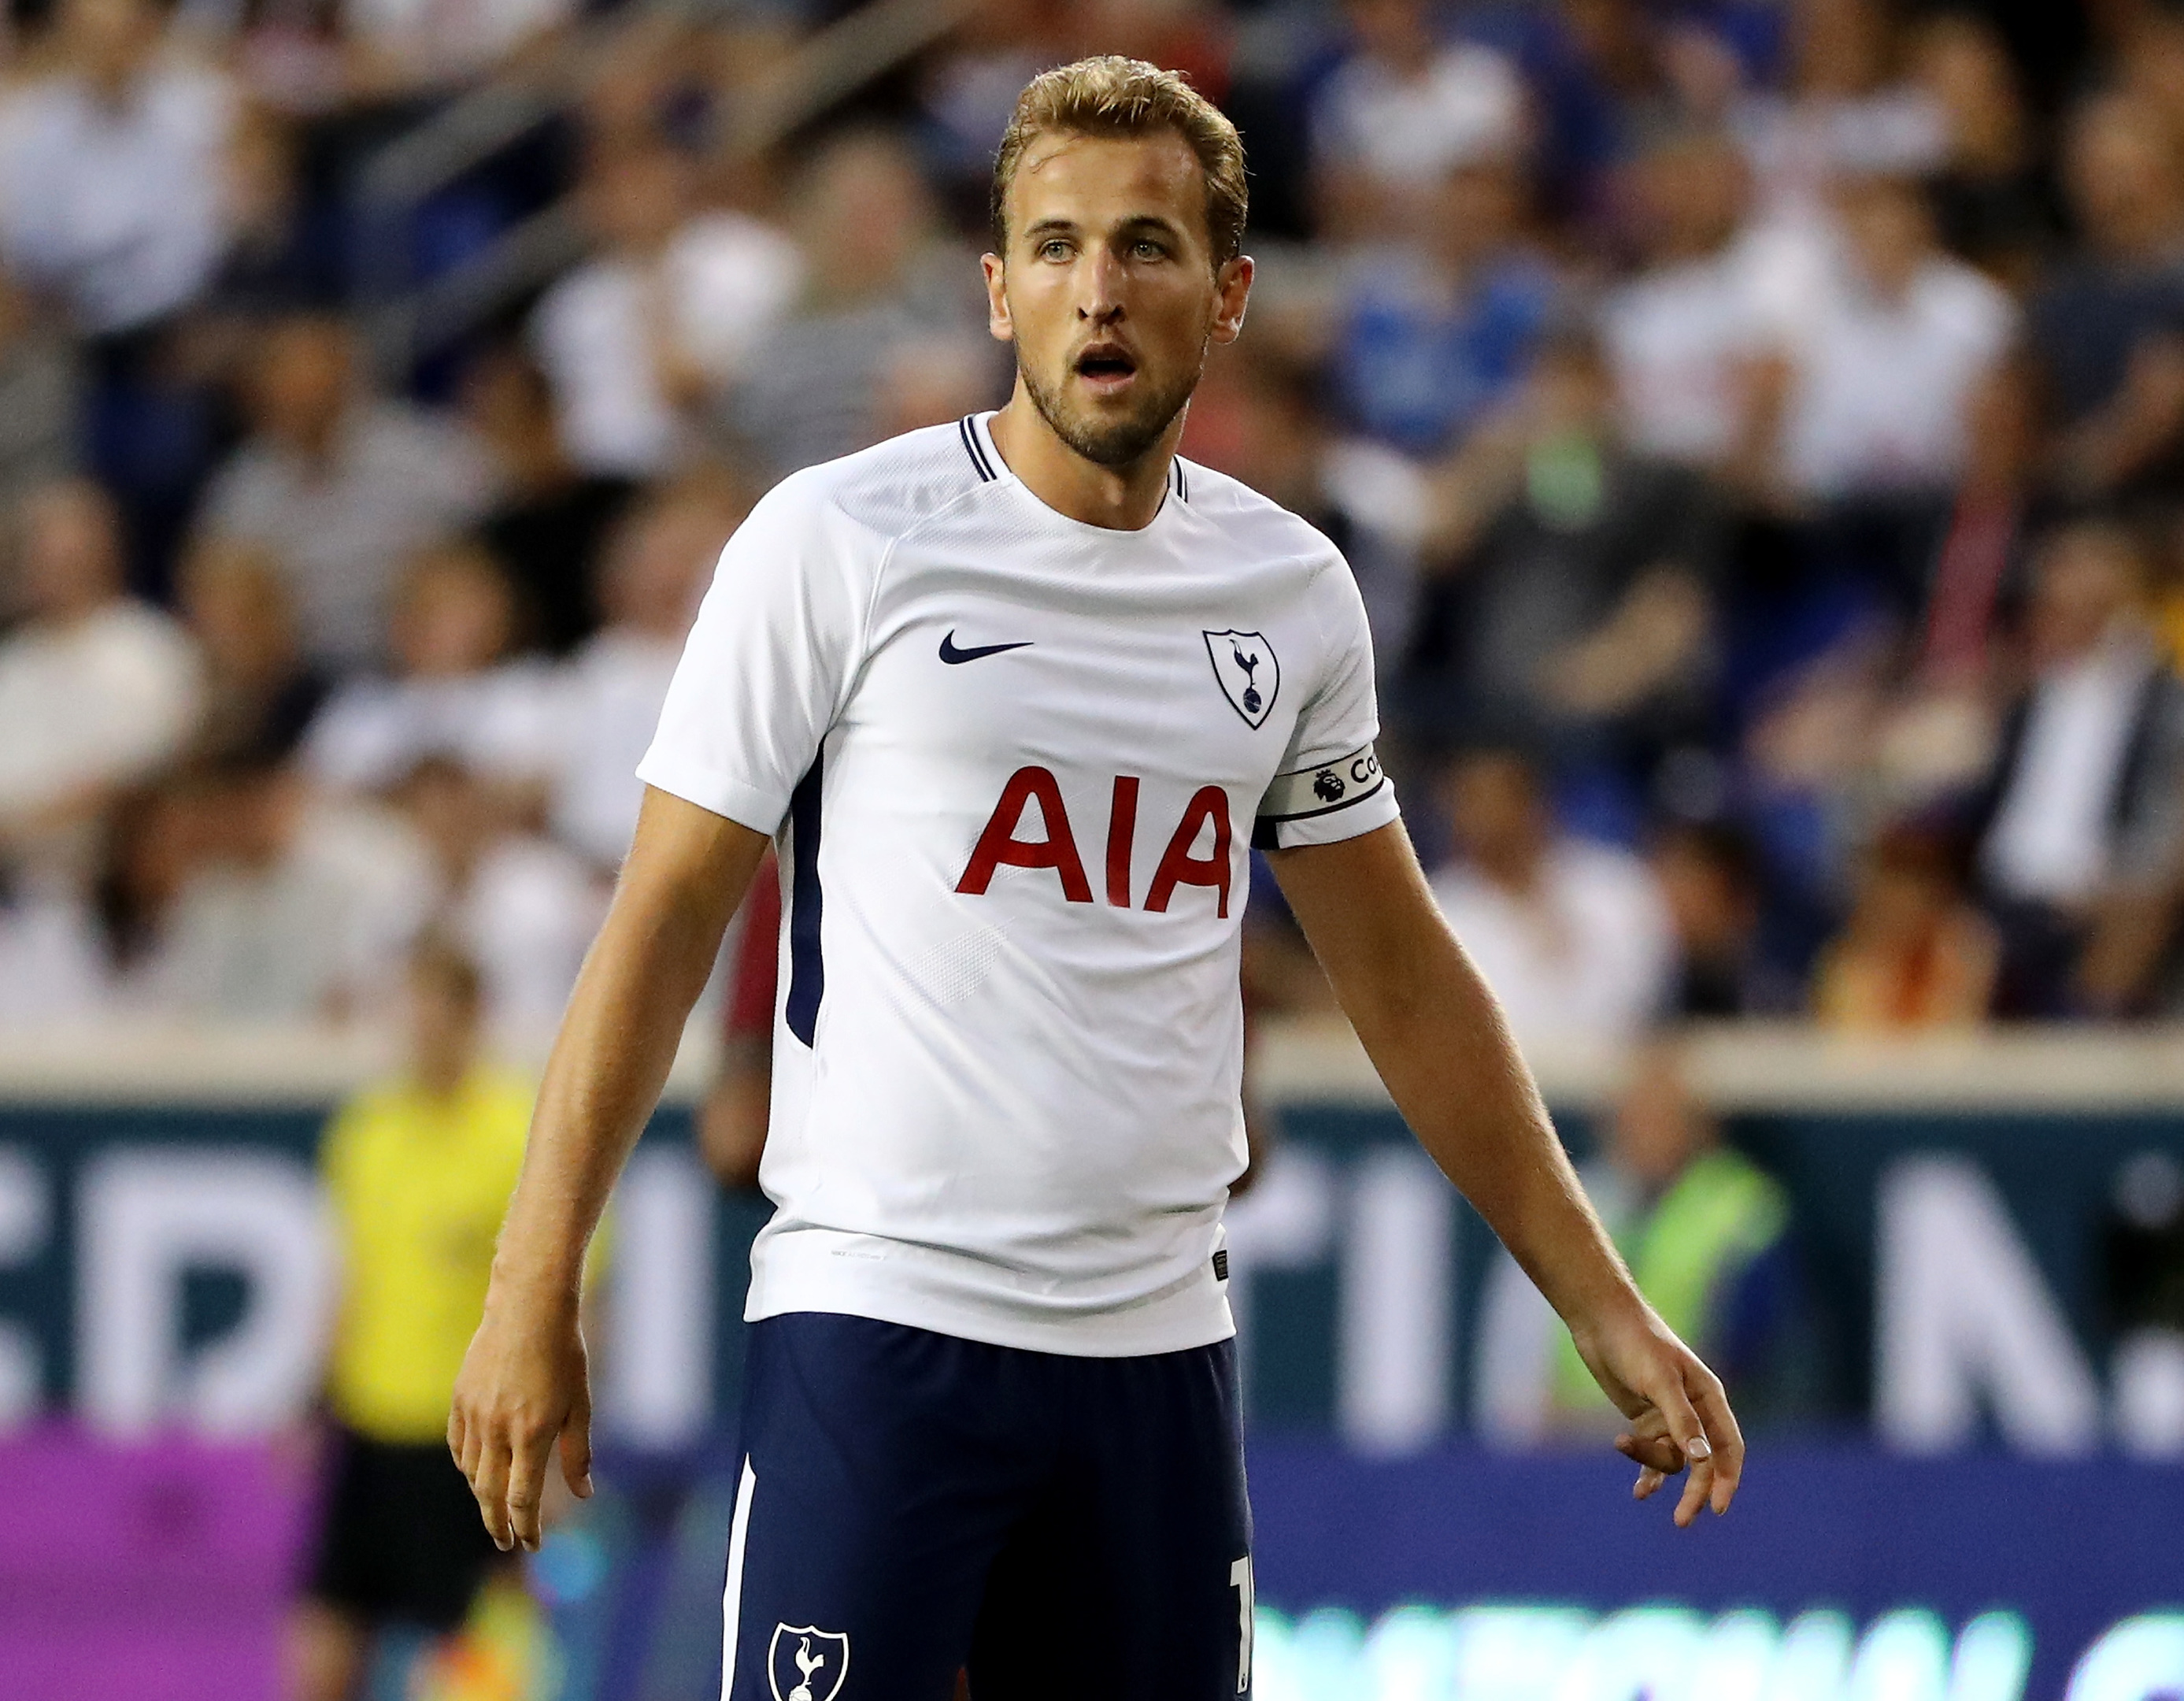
(999, 326)
(1232, 287)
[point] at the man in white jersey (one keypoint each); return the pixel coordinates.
(1015, 696)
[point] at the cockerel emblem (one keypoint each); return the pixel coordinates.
(1249, 673)
(804, 1662)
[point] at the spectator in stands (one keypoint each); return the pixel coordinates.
(1708, 1239)
(1371, 501)
(409, 48)
(292, 908)
(1402, 111)
(1572, 936)
(110, 169)
(1886, 377)
(1712, 881)
(1687, 333)
(611, 689)
(111, 201)
(282, 254)
(456, 691)
(641, 340)
(1707, 1234)
(1437, 329)
(340, 486)
(2084, 806)
(418, 1169)
(96, 689)
(39, 382)
(553, 519)
(2107, 332)
(1575, 610)
(260, 691)
(1914, 953)
(522, 907)
(876, 276)
(1994, 200)
(1846, 109)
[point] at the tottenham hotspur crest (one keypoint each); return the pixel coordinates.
(806, 1664)
(1250, 674)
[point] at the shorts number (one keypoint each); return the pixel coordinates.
(1239, 1579)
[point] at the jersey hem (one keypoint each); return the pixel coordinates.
(1193, 1313)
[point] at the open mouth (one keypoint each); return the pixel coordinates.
(1106, 367)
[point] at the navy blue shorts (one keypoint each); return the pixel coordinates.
(912, 1504)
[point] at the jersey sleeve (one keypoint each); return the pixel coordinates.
(765, 668)
(1330, 786)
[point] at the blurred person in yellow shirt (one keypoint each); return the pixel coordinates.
(418, 1171)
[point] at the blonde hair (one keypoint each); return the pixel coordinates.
(1112, 95)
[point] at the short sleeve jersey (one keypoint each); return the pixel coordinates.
(1015, 764)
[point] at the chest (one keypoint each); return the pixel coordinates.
(1169, 664)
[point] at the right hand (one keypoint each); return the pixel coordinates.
(524, 1386)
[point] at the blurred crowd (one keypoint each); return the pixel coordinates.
(1757, 426)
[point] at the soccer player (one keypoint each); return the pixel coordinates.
(1014, 695)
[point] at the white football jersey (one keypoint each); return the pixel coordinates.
(1015, 764)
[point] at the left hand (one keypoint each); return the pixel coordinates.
(1679, 1415)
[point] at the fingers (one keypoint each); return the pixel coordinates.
(575, 1445)
(488, 1475)
(1728, 1441)
(1696, 1487)
(526, 1488)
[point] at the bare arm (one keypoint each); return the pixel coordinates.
(1436, 1036)
(524, 1383)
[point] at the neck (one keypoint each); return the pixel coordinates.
(1120, 499)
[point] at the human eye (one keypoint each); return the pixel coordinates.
(1146, 247)
(1054, 247)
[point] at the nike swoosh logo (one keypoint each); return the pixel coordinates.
(956, 658)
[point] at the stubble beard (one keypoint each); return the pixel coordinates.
(1117, 444)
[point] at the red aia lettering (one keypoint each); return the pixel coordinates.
(1178, 867)
(1121, 833)
(999, 844)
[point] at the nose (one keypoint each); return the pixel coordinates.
(1101, 300)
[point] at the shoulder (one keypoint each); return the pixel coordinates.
(879, 492)
(1261, 526)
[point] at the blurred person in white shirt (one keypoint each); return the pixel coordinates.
(301, 908)
(456, 690)
(1400, 112)
(1572, 936)
(343, 487)
(522, 907)
(1847, 108)
(638, 339)
(95, 688)
(1885, 368)
(1688, 335)
(611, 689)
(1892, 389)
(110, 169)
(880, 277)
(398, 47)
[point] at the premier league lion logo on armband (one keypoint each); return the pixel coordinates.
(807, 1664)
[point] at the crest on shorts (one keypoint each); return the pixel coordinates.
(804, 1662)
(1249, 673)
